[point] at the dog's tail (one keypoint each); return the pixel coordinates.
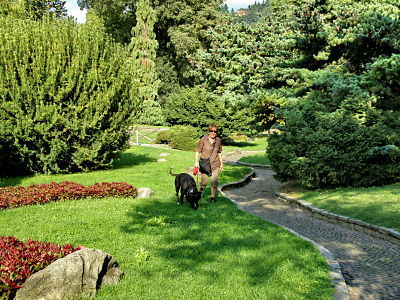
(170, 172)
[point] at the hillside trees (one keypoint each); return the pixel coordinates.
(342, 119)
(37, 9)
(240, 67)
(64, 96)
(33, 9)
(180, 26)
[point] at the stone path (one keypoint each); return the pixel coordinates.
(371, 267)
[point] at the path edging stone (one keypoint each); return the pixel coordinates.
(337, 279)
(382, 233)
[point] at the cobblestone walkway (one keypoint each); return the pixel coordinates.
(371, 267)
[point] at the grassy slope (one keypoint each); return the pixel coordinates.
(173, 252)
(375, 205)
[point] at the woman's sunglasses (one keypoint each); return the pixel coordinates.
(213, 131)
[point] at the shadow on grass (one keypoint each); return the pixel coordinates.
(125, 160)
(242, 144)
(12, 181)
(216, 240)
(128, 160)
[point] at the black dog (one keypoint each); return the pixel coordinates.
(187, 185)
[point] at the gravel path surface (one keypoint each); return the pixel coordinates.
(371, 267)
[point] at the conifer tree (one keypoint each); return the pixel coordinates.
(143, 50)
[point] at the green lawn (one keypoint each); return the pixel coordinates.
(259, 159)
(173, 252)
(375, 205)
(259, 144)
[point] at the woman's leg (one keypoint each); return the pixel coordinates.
(203, 182)
(214, 184)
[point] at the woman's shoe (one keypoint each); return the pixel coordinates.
(213, 199)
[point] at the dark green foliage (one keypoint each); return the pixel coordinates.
(335, 137)
(179, 137)
(335, 151)
(378, 36)
(64, 101)
(341, 108)
(383, 79)
(194, 107)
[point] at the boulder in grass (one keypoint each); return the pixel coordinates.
(78, 274)
(144, 193)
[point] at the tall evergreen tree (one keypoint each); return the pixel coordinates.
(143, 46)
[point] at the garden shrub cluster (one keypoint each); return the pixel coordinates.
(12, 197)
(19, 260)
(179, 137)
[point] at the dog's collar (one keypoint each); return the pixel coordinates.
(190, 191)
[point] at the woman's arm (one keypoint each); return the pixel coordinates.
(221, 168)
(196, 159)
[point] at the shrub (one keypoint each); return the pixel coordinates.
(163, 137)
(64, 100)
(179, 137)
(239, 137)
(184, 138)
(335, 137)
(18, 196)
(19, 260)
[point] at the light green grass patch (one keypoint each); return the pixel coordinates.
(375, 205)
(259, 159)
(259, 144)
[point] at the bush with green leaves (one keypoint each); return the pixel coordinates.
(64, 96)
(163, 137)
(179, 137)
(336, 136)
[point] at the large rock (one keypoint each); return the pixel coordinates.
(78, 274)
(144, 193)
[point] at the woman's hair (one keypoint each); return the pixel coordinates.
(213, 126)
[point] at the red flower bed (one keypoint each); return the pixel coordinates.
(11, 197)
(19, 260)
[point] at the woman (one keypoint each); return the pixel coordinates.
(210, 147)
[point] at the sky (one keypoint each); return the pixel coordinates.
(80, 15)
